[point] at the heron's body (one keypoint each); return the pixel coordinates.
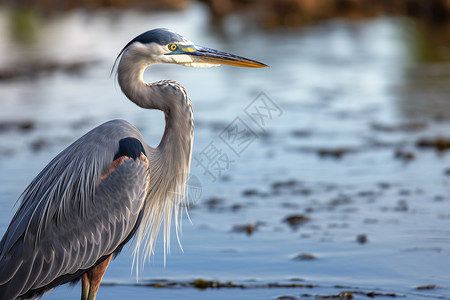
(104, 188)
(78, 234)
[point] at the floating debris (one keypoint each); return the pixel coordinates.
(296, 220)
(247, 228)
(289, 285)
(305, 256)
(338, 286)
(26, 125)
(341, 295)
(214, 203)
(362, 239)
(439, 198)
(340, 200)
(299, 133)
(423, 249)
(350, 295)
(337, 153)
(39, 144)
(285, 184)
(402, 206)
(203, 284)
(441, 144)
(375, 294)
(302, 191)
(407, 127)
(384, 185)
(368, 193)
(289, 205)
(250, 192)
(405, 156)
(236, 207)
(427, 287)
(286, 298)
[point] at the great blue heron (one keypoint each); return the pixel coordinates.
(108, 185)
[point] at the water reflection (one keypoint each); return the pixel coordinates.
(24, 24)
(423, 93)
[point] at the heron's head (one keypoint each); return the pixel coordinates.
(164, 46)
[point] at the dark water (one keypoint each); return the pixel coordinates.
(339, 142)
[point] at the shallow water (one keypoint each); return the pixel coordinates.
(350, 100)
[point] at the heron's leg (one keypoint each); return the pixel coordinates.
(95, 276)
(84, 286)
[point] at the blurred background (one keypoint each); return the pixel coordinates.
(341, 189)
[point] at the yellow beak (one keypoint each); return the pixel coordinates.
(208, 55)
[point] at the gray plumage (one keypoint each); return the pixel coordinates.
(69, 217)
(108, 185)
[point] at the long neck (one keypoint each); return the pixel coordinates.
(170, 161)
(167, 96)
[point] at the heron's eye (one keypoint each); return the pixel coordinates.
(173, 47)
